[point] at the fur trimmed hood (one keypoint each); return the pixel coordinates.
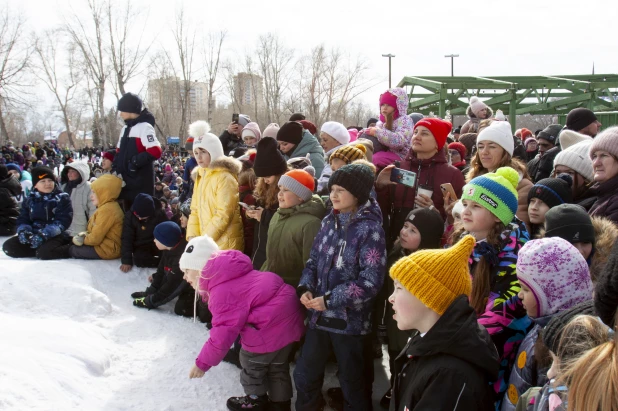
(227, 163)
(471, 115)
(605, 234)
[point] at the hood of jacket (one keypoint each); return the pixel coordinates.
(107, 188)
(308, 144)
(315, 207)
(459, 334)
(81, 167)
(402, 100)
(144, 117)
(223, 266)
(11, 184)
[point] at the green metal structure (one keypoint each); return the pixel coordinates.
(513, 95)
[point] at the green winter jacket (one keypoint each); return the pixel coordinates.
(310, 145)
(290, 237)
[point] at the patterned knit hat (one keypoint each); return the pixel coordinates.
(358, 179)
(577, 159)
(555, 272)
(570, 222)
(552, 191)
(496, 192)
(349, 153)
(299, 182)
(436, 277)
(607, 140)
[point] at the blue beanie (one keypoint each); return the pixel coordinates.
(168, 233)
(143, 205)
(14, 167)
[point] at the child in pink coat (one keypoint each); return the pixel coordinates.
(269, 318)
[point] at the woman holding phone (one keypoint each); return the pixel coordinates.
(428, 161)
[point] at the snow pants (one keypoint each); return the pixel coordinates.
(47, 251)
(267, 373)
(309, 372)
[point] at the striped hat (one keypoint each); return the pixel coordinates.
(497, 192)
(349, 153)
(299, 182)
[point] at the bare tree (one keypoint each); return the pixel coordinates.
(15, 55)
(275, 60)
(89, 35)
(49, 69)
(164, 95)
(126, 58)
(212, 58)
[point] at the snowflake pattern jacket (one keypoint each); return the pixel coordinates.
(346, 265)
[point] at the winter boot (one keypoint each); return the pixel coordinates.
(248, 402)
(280, 406)
(335, 398)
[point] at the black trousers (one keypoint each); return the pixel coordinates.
(47, 251)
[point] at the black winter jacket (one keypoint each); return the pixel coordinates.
(230, 142)
(9, 209)
(167, 282)
(450, 368)
(546, 164)
(260, 237)
(139, 235)
(138, 148)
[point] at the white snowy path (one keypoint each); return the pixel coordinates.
(71, 339)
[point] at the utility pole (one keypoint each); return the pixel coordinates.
(452, 57)
(390, 56)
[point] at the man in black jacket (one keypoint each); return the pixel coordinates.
(137, 149)
(231, 139)
(450, 361)
(542, 165)
(137, 243)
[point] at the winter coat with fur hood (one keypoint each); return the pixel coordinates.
(105, 226)
(605, 235)
(83, 208)
(214, 206)
(257, 305)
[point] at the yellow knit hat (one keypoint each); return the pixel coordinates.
(437, 277)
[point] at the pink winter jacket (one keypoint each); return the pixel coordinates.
(257, 305)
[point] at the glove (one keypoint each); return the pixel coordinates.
(78, 240)
(37, 240)
(139, 294)
(24, 237)
(142, 303)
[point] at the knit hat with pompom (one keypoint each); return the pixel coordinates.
(497, 192)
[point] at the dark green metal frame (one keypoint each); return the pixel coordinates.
(513, 95)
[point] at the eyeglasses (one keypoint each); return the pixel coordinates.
(454, 153)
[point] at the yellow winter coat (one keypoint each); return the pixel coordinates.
(214, 206)
(105, 225)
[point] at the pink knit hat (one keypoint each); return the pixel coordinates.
(477, 105)
(252, 129)
(556, 273)
(391, 100)
(271, 130)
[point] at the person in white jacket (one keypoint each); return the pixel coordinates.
(74, 180)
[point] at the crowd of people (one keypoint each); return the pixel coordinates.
(485, 260)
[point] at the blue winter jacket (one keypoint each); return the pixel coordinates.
(51, 214)
(346, 265)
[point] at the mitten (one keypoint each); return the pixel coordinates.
(78, 240)
(24, 237)
(37, 240)
(143, 302)
(139, 294)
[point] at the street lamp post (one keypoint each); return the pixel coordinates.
(452, 57)
(390, 56)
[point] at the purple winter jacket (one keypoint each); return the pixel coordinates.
(257, 305)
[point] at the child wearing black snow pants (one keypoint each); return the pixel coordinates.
(138, 246)
(45, 216)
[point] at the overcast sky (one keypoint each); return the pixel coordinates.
(493, 38)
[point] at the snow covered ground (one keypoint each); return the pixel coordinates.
(71, 339)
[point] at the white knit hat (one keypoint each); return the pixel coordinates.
(336, 131)
(500, 133)
(197, 253)
(477, 105)
(202, 138)
(576, 158)
(457, 208)
(500, 115)
(569, 138)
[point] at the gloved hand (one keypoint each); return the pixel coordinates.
(24, 237)
(143, 302)
(78, 240)
(37, 240)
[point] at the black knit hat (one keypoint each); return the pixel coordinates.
(570, 222)
(430, 226)
(606, 290)
(168, 233)
(552, 332)
(268, 160)
(130, 103)
(358, 179)
(41, 172)
(371, 120)
(550, 133)
(553, 191)
(580, 118)
(291, 132)
(297, 117)
(143, 205)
